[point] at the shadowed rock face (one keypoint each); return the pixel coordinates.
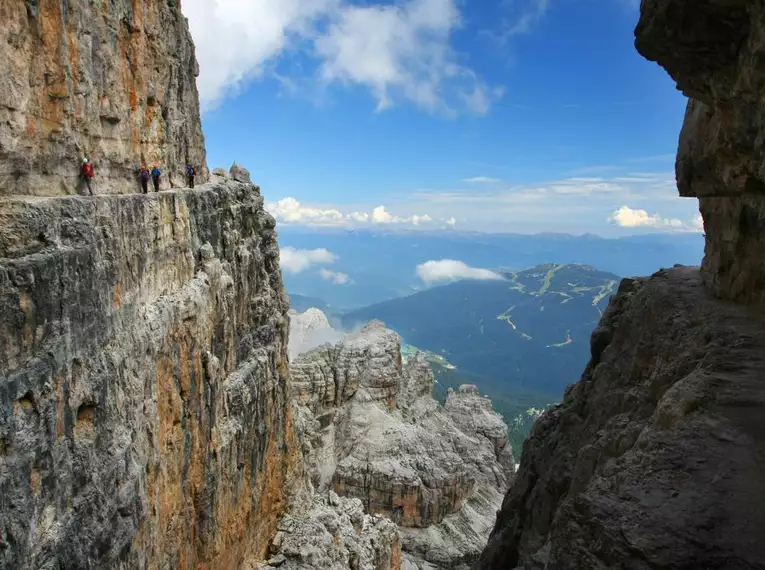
(655, 458)
(714, 50)
(144, 401)
(114, 81)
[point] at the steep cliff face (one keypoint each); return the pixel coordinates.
(144, 402)
(113, 81)
(714, 51)
(655, 459)
(371, 430)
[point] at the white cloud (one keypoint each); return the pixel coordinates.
(398, 51)
(359, 216)
(293, 260)
(627, 217)
(381, 216)
(235, 39)
(575, 204)
(334, 276)
(452, 270)
(520, 16)
(530, 13)
(481, 180)
(291, 211)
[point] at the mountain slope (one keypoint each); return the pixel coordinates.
(528, 333)
(382, 264)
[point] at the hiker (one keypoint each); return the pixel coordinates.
(144, 175)
(190, 174)
(155, 174)
(87, 174)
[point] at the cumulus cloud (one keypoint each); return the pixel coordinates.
(452, 270)
(398, 51)
(381, 216)
(293, 260)
(334, 277)
(236, 39)
(291, 211)
(626, 217)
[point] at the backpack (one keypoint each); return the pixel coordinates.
(145, 174)
(190, 170)
(156, 172)
(87, 170)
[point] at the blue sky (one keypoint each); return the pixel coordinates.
(496, 115)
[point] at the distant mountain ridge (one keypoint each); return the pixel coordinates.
(523, 339)
(382, 264)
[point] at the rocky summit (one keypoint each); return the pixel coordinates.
(370, 430)
(655, 458)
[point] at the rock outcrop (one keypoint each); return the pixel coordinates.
(371, 430)
(114, 81)
(333, 533)
(655, 458)
(714, 50)
(145, 419)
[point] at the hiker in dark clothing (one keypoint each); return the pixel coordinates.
(88, 173)
(144, 175)
(155, 174)
(190, 174)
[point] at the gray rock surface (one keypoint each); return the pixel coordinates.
(114, 81)
(370, 429)
(333, 533)
(145, 419)
(714, 51)
(240, 173)
(654, 459)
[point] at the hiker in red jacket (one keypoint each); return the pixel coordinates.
(88, 173)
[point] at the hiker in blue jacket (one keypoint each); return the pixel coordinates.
(190, 174)
(155, 174)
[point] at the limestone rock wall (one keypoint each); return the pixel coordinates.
(145, 419)
(370, 430)
(114, 81)
(714, 50)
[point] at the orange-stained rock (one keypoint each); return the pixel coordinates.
(113, 81)
(145, 417)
